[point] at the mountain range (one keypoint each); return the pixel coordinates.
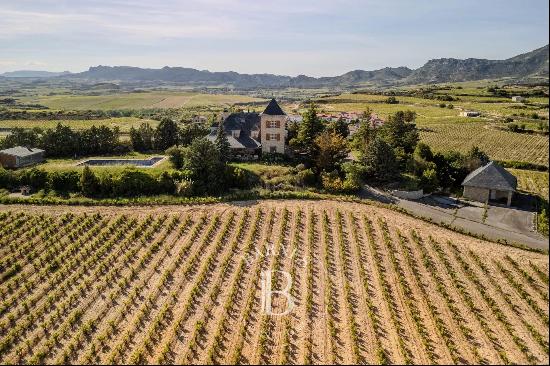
(528, 66)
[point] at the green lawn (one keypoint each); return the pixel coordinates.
(72, 164)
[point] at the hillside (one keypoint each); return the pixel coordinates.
(531, 64)
(183, 285)
(524, 66)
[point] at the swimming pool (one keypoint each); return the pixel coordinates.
(144, 163)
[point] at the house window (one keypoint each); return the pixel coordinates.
(273, 149)
(273, 124)
(273, 136)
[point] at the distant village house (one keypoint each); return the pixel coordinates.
(518, 98)
(199, 119)
(19, 156)
(490, 183)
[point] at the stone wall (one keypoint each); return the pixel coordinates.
(409, 195)
(476, 194)
(8, 161)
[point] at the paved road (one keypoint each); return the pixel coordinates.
(509, 224)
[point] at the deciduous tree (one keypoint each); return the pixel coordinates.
(331, 150)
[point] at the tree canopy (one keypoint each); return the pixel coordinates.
(166, 134)
(379, 160)
(309, 129)
(222, 144)
(331, 150)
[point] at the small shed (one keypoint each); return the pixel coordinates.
(490, 182)
(518, 98)
(19, 156)
(470, 114)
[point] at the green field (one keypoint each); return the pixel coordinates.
(444, 129)
(123, 123)
(532, 182)
(137, 100)
(500, 145)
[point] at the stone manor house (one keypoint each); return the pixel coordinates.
(251, 133)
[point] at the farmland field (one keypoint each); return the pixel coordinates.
(499, 144)
(123, 123)
(532, 182)
(182, 284)
(444, 128)
(137, 100)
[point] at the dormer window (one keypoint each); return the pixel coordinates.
(236, 133)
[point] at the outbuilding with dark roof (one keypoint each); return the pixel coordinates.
(490, 182)
(19, 156)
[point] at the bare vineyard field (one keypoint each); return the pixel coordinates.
(182, 285)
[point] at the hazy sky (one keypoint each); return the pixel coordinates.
(291, 37)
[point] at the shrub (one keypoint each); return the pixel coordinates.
(106, 185)
(513, 127)
(273, 158)
(35, 178)
(64, 181)
(332, 182)
(429, 181)
(240, 178)
(392, 100)
(354, 173)
(543, 221)
(7, 178)
(184, 188)
(134, 183)
(306, 177)
(176, 155)
(89, 182)
(166, 183)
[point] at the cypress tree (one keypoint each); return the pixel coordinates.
(222, 144)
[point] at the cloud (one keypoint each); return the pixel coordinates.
(314, 37)
(115, 21)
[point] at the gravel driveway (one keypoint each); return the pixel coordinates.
(511, 224)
